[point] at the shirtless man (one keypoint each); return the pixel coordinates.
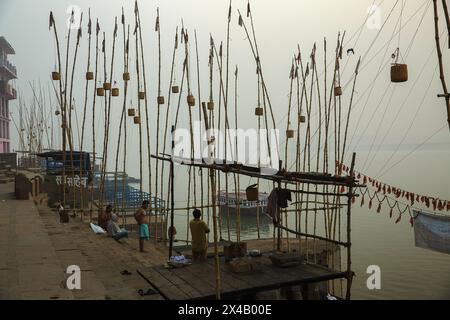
(142, 221)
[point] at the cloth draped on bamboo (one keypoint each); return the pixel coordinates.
(432, 232)
(278, 198)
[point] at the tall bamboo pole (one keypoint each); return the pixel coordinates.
(144, 78)
(62, 107)
(139, 100)
(213, 194)
(71, 107)
(84, 112)
(93, 119)
(441, 64)
(200, 115)
(158, 30)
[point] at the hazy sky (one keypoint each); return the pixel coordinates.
(381, 111)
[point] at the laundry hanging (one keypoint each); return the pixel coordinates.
(432, 232)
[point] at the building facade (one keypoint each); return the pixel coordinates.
(7, 93)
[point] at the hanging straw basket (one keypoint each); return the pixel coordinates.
(126, 76)
(57, 113)
(302, 119)
(175, 89)
(141, 95)
(259, 111)
(56, 76)
(191, 100)
(337, 91)
(211, 105)
(100, 92)
(115, 92)
(161, 100)
(399, 73)
(107, 86)
(252, 193)
(131, 112)
(290, 134)
(137, 120)
(89, 75)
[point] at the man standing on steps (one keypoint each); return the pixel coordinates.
(142, 221)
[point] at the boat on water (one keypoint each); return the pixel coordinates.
(229, 202)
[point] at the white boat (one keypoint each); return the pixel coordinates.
(229, 203)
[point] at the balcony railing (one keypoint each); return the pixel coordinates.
(4, 63)
(8, 90)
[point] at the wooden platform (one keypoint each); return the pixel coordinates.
(197, 281)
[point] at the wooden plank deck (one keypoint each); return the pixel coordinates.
(197, 281)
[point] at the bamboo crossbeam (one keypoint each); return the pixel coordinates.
(324, 179)
(312, 236)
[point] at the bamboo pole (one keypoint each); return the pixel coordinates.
(441, 64)
(79, 34)
(62, 107)
(93, 118)
(124, 179)
(144, 78)
(199, 113)
(237, 181)
(447, 19)
(349, 235)
(85, 109)
(213, 194)
(169, 187)
(139, 101)
(158, 30)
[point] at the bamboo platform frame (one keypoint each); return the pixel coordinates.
(287, 178)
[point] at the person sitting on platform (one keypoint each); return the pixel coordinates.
(113, 228)
(103, 217)
(142, 221)
(199, 229)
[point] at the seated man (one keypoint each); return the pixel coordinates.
(113, 229)
(199, 229)
(104, 216)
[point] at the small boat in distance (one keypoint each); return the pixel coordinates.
(230, 202)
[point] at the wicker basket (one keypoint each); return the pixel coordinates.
(89, 75)
(131, 112)
(191, 100)
(137, 120)
(337, 91)
(107, 86)
(141, 95)
(211, 105)
(115, 92)
(259, 111)
(161, 100)
(289, 134)
(399, 73)
(56, 76)
(126, 76)
(100, 92)
(302, 119)
(57, 113)
(175, 89)
(252, 193)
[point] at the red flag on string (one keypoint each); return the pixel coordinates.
(379, 208)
